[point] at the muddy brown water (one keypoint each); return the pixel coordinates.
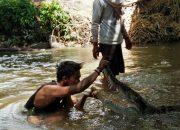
(153, 71)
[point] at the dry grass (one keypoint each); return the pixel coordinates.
(156, 21)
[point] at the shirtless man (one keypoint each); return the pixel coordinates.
(57, 95)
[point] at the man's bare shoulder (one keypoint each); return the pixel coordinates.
(54, 87)
(55, 90)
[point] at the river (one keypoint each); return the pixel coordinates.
(153, 71)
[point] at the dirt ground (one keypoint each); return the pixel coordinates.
(83, 8)
(78, 7)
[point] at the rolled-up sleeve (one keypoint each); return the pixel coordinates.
(96, 20)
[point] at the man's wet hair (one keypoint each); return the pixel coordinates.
(67, 68)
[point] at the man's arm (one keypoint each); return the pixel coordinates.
(92, 93)
(96, 20)
(85, 83)
(126, 37)
(58, 91)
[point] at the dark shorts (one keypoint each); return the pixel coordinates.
(33, 112)
(113, 53)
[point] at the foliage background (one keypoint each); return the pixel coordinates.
(23, 23)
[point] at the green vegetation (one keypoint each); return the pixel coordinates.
(23, 23)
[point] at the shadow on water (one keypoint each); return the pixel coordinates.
(153, 71)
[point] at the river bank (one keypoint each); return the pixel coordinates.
(80, 13)
(143, 27)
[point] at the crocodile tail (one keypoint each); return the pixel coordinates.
(167, 109)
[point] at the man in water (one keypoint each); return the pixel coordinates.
(57, 97)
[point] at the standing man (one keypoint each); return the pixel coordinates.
(108, 32)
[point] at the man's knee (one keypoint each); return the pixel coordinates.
(36, 120)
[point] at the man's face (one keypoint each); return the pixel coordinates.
(74, 79)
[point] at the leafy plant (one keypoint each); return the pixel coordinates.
(30, 23)
(16, 15)
(52, 15)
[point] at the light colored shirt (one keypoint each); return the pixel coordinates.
(105, 27)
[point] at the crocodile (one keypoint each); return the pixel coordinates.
(136, 103)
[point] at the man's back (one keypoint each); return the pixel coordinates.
(41, 101)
